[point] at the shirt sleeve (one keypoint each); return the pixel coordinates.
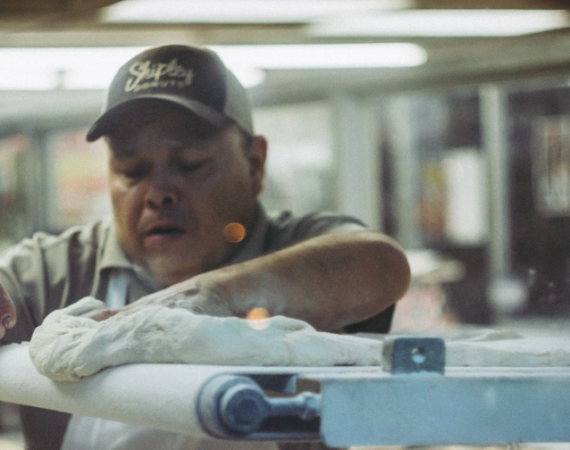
(286, 229)
(22, 279)
(45, 273)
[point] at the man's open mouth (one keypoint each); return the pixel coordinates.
(165, 230)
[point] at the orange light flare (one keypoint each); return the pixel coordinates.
(258, 318)
(234, 232)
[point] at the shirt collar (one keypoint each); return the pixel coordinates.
(113, 255)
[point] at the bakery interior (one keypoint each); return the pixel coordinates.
(445, 124)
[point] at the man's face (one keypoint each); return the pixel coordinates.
(175, 184)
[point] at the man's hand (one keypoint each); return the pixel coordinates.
(7, 313)
(193, 295)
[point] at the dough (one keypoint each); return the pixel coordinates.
(488, 347)
(67, 347)
(518, 352)
(481, 335)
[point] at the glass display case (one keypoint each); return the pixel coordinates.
(539, 137)
(79, 179)
(15, 179)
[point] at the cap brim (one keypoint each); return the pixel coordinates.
(104, 124)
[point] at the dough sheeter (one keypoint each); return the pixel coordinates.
(413, 399)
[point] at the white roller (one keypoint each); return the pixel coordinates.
(160, 396)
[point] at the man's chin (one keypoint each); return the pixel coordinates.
(169, 272)
(177, 262)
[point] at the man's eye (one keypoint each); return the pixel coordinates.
(192, 167)
(135, 173)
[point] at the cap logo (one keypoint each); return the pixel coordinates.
(159, 75)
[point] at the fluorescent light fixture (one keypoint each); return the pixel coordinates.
(239, 11)
(453, 23)
(247, 76)
(77, 68)
(61, 68)
(95, 67)
(323, 56)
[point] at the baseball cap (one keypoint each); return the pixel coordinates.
(190, 76)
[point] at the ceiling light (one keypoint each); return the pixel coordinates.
(454, 23)
(77, 68)
(95, 67)
(239, 11)
(61, 68)
(323, 56)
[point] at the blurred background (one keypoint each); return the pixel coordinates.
(444, 126)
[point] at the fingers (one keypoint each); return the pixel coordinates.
(104, 314)
(7, 321)
(168, 301)
(144, 301)
(169, 297)
(100, 314)
(7, 313)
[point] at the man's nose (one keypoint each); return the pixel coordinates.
(162, 192)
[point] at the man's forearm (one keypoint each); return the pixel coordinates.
(329, 281)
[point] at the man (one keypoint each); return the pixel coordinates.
(186, 170)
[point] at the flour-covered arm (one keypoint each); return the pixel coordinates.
(330, 281)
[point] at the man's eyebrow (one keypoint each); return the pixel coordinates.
(179, 146)
(120, 149)
(124, 148)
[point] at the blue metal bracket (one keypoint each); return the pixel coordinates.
(413, 354)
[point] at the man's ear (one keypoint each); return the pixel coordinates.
(256, 155)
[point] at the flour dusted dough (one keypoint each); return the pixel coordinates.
(67, 347)
(513, 351)
(488, 347)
